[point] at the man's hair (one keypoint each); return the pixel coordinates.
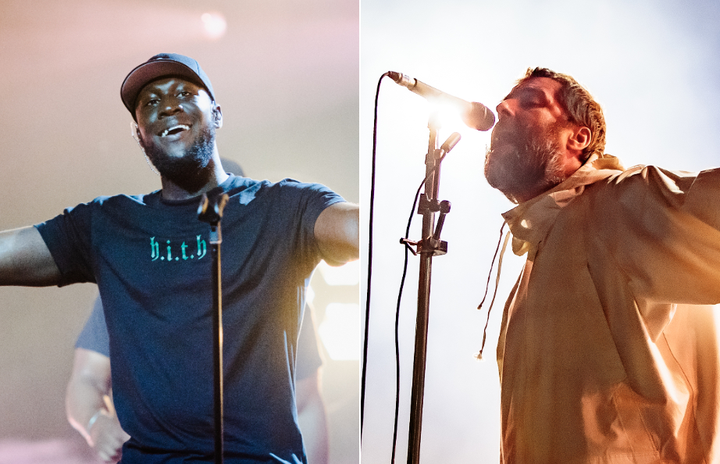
(579, 105)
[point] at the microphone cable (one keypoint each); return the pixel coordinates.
(371, 215)
(397, 321)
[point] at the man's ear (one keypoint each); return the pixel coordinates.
(135, 131)
(217, 116)
(579, 139)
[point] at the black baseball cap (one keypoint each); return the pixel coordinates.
(162, 65)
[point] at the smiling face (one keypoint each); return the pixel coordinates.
(529, 147)
(176, 121)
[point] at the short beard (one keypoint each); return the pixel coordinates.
(190, 172)
(524, 170)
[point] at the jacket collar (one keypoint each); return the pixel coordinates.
(530, 221)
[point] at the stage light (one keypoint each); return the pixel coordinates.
(340, 331)
(310, 295)
(448, 118)
(347, 274)
(214, 25)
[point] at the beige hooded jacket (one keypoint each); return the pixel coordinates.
(597, 362)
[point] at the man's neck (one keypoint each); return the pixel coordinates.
(172, 191)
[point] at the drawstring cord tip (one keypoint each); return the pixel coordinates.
(479, 356)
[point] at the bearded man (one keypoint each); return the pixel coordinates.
(149, 255)
(602, 357)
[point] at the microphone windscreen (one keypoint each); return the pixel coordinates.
(479, 117)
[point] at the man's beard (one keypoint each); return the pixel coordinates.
(527, 166)
(193, 170)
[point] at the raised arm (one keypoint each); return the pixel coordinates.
(25, 259)
(337, 233)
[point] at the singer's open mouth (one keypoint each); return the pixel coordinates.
(176, 129)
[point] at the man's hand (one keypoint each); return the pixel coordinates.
(107, 437)
(89, 405)
(312, 418)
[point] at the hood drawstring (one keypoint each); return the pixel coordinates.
(497, 281)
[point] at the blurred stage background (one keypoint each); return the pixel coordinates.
(653, 66)
(286, 75)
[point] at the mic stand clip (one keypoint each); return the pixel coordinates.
(431, 245)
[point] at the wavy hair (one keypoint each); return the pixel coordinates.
(580, 106)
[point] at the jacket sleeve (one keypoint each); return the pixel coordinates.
(662, 228)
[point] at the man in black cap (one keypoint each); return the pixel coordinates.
(149, 255)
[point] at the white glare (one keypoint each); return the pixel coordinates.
(340, 331)
(310, 295)
(348, 274)
(214, 24)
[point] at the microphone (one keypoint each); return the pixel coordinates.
(475, 115)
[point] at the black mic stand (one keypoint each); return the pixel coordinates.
(430, 245)
(211, 211)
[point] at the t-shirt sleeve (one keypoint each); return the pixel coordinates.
(94, 335)
(310, 201)
(316, 198)
(67, 236)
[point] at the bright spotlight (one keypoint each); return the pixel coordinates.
(214, 25)
(347, 274)
(448, 117)
(340, 331)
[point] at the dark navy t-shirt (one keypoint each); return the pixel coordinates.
(151, 261)
(94, 337)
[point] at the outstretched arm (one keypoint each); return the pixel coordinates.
(25, 259)
(337, 231)
(89, 406)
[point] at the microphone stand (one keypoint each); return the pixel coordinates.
(211, 211)
(429, 246)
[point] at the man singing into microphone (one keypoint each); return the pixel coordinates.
(602, 357)
(149, 255)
